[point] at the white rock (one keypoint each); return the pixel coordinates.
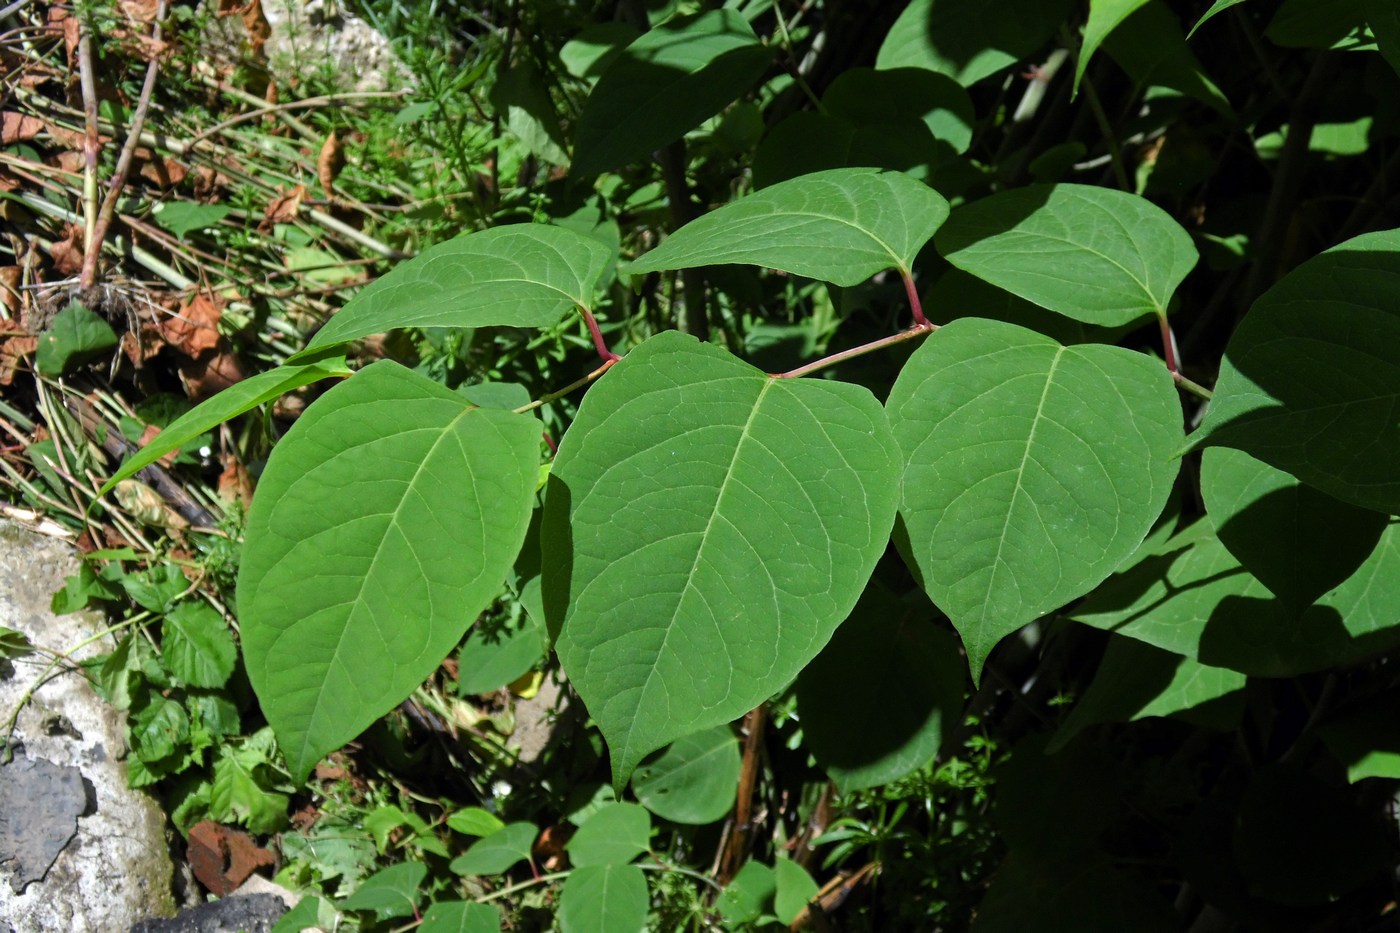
(116, 869)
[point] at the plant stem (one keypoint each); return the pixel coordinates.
(737, 845)
(578, 383)
(92, 143)
(918, 330)
(88, 276)
(1115, 152)
(913, 292)
(321, 101)
(599, 343)
(1187, 385)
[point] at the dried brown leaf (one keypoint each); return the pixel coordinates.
(142, 11)
(10, 298)
(210, 373)
(12, 350)
(194, 329)
(18, 127)
(235, 483)
(284, 207)
(329, 163)
(68, 252)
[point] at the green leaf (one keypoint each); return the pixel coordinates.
(875, 704)
(685, 473)
(474, 821)
(794, 888)
(1297, 541)
(498, 851)
(183, 217)
(1383, 16)
(14, 644)
(958, 294)
(1189, 595)
(521, 95)
(1319, 24)
(159, 730)
(196, 645)
(74, 336)
(233, 401)
(390, 892)
(1104, 17)
(968, 40)
(590, 52)
(156, 588)
(806, 143)
(870, 98)
(1366, 738)
(460, 917)
(1149, 46)
(749, 896)
(81, 589)
(1093, 254)
(522, 275)
(666, 83)
(1032, 470)
(504, 395)
(840, 226)
(1311, 377)
(241, 793)
(492, 658)
(604, 899)
(694, 781)
(1216, 7)
(306, 914)
(1136, 680)
(614, 835)
(385, 521)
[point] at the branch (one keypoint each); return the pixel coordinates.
(918, 330)
(98, 231)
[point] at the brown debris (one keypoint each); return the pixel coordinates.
(235, 484)
(284, 207)
(329, 163)
(12, 351)
(222, 857)
(211, 373)
(18, 127)
(68, 253)
(194, 329)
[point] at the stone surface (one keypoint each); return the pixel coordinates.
(116, 868)
(40, 803)
(239, 913)
(306, 36)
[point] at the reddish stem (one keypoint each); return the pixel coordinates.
(918, 330)
(1168, 344)
(914, 303)
(598, 342)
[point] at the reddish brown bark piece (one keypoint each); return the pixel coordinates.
(222, 857)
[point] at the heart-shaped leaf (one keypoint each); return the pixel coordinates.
(1297, 541)
(706, 528)
(523, 275)
(1093, 254)
(665, 84)
(604, 899)
(385, 521)
(841, 226)
(1032, 470)
(968, 40)
(694, 780)
(1311, 378)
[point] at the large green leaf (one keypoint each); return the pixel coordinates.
(230, 403)
(1190, 596)
(806, 143)
(665, 84)
(1094, 254)
(869, 98)
(876, 703)
(604, 899)
(615, 835)
(1297, 541)
(460, 917)
(841, 226)
(706, 528)
(385, 521)
(1149, 46)
(493, 854)
(1104, 17)
(74, 336)
(1032, 470)
(522, 275)
(695, 780)
(1136, 680)
(970, 39)
(196, 645)
(1311, 378)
